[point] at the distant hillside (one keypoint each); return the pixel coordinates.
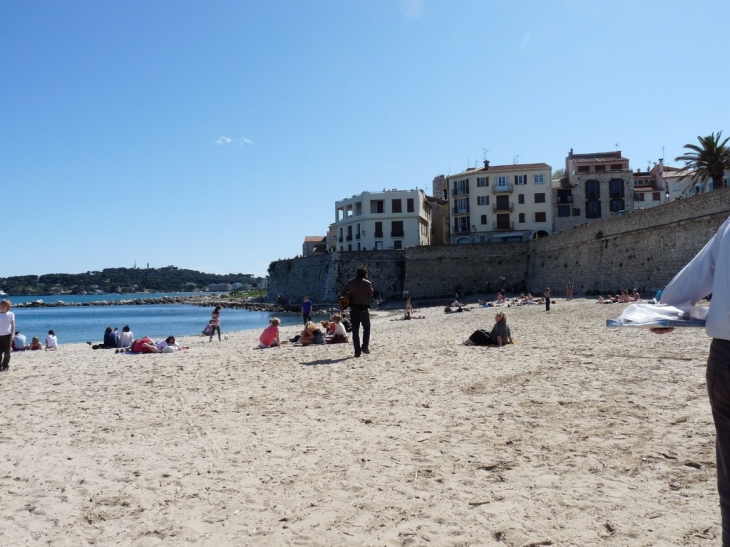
(167, 279)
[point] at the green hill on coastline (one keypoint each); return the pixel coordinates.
(167, 279)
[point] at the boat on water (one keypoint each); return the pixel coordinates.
(3, 293)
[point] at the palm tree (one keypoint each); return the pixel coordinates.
(710, 160)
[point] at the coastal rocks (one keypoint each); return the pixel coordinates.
(205, 301)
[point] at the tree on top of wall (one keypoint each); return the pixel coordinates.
(709, 160)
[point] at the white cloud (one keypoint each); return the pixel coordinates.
(412, 9)
(228, 141)
(246, 141)
(224, 140)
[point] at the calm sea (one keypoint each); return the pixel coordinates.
(87, 323)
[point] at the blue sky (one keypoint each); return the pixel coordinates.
(216, 135)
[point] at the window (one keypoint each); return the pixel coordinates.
(397, 244)
(539, 179)
(617, 166)
(396, 228)
(483, 181)
(520, 179)
(349, 234)
(461, 225)
(593, 190)
(520, 198)
(397, 206)
(410, 206)
(639, 197)
(521, 219)
(462, 206)
(655, 196)
(341, 238)
(616, 188)
(576, 211)
(349, 246)
(482, 200)
(593, 209)
(563, 210)
(540, 198)
(501, 181)
(600, 169)
(540, 217)
(358, 245)
(461, 187)
(377, 206)
(378, 229)
(584, 169)
(484, 219)
(616, 205)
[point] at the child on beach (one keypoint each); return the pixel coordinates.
(270, 337)
(35, 344)
(215, 323)
(51, 341)
(7, 328)
(340, 335)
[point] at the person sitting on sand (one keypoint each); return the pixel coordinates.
(20, 342)
(270, 337)
(340, 334)
(311, 335)
(409, 306)
(51, 341)
(625, 296)
(35, 344)
(127, 337)
(110, 340)
(448, 309)
(498, 336)
(635, 296)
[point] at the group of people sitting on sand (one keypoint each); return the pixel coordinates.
(125, 343)
(331, 332)
(623, 298)
(503, 301)
(20, 342)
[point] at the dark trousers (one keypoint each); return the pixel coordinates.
(5, 343)
(547, 304)
(360, 316)
(718, 389)
(306, 318)
(213, 330)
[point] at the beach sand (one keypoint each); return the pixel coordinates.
(578, 435)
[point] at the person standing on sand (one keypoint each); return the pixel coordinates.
(7, 329)
(570, 290)
(709, 273)
(215, 323)
(547, 299)
(306, 310)
(360, 291)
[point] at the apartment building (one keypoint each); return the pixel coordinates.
(500, 203)
(392, 219)
(596, 186)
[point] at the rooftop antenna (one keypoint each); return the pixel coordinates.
(662, 151)
(516, 160)
(485, 152)
(616, 145)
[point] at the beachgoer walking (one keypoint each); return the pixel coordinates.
(306, 310)
(360, 291)
(215, 323)
(547, 299)
(7, 329)
(709, 273)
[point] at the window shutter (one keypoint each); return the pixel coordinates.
(515, 179)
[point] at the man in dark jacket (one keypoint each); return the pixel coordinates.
(360, 291)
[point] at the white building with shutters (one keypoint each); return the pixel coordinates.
(500, 203)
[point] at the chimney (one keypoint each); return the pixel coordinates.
(486, 165)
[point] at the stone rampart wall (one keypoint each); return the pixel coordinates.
(644, 249)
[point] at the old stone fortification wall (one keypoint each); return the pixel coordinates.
(644, 249)
(441, 270)
(322, 276)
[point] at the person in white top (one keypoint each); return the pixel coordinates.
(51, 340)
(127, 337)
(708, 273)
(7, 328)
(168, 342)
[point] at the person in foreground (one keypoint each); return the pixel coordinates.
(498, 336)
(709, 272)
(360, 291)
(7, 329)
(270, 337)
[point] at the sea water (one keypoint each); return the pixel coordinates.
(87, 323)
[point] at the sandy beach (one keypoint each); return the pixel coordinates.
(578, 435)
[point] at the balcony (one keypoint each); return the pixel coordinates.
(506, 207)
(502, 188)
(460, 210)
(340, 239)
(378, 234)
(565, 199)
(397, 233)
(461, 230)
(504, 225)
(348, 238)
(357, 236)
